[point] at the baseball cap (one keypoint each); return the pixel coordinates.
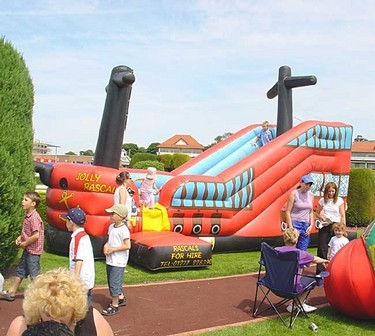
(119, 209)
(307, 179)
(76, 215)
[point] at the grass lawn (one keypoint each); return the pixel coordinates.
(328, 320)
(223, 265)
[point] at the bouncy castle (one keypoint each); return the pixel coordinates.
(229, 198)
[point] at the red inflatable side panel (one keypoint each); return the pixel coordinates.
(350, 288)
(95, 225)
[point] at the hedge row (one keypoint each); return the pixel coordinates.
(16, 141)
(361, 197)
(168, 161)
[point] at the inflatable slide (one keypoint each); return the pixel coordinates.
(229, 198)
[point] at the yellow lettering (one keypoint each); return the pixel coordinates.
(88, 177)
(185, 248)
(193, 255)
(177, 255)
(101, 188)
(202, 262)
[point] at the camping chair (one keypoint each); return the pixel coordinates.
(281, 278)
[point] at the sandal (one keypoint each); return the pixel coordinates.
(111, 310)
(122, 302)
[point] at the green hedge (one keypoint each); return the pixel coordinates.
(142, 157)
(361, 197)
(167, 161)
(16, 142)
(179, 159)
(145, 164)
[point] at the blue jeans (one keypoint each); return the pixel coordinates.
(29, 265)
(303, 239)
(115, 276)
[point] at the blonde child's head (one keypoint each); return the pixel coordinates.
(339, 227)
(58, 295)
(265, 124)
(291, 236)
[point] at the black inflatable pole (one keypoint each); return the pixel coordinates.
(115, 115)
(283, 89)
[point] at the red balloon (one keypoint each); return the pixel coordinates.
(350, 287)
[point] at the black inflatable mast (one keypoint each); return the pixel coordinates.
(115, 116)
(283, 89)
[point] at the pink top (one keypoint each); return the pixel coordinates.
(147, 185)
(303, 203)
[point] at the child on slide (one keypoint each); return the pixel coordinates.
(148, 188)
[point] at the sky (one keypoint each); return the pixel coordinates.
(202, 67)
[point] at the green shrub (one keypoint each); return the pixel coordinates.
(145, 164)
(361, 197)
(42, 209)
(179, 159)
(16, 142)
(142, 157)
(167, 161)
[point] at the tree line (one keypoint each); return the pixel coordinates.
(132, 148)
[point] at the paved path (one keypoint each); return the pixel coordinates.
(174, 307)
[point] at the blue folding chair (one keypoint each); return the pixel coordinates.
(281, 278)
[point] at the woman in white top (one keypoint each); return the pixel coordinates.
(122, 196)
(330, 210)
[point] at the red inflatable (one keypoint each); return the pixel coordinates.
(350, 288)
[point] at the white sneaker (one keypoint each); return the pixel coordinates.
(289, 308)
(307, 308)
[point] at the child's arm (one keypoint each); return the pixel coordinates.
(105, 249)
(156, 189)
(254, 143)
(18, 240)
(78, 267)
(125, 246)
(33, 238)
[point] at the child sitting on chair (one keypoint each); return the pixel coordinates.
(305, 259)
(148, 188)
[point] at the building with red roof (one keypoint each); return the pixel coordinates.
(181, 143)
(363, 153)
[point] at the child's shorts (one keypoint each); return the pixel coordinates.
(115, 276)
(29, 265)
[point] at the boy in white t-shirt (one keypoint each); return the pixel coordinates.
(338, 241)
(81, 256)
(116, 251)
